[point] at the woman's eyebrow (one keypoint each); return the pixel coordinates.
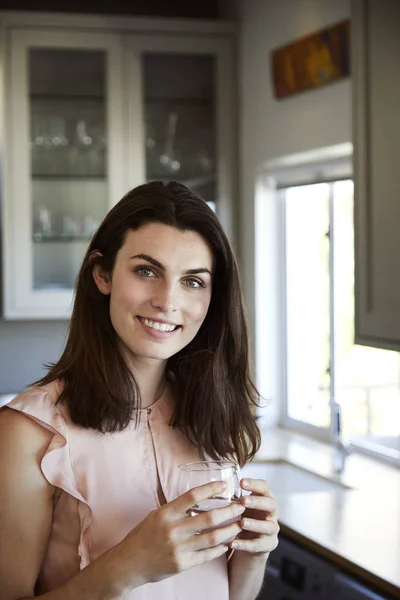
(157, 264)
(149, 259)
(197, 271)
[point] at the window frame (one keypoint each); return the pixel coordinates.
(326, 165)
(322, 433)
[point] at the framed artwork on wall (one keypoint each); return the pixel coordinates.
(315, 60)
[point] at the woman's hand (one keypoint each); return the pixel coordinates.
(167, 541)
(260, 519)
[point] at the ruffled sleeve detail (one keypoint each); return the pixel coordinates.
(39, 404)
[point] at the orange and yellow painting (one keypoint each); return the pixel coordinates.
(318, 59)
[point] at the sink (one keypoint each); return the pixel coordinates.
(286, 478)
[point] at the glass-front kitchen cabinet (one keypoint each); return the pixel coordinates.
(87, 114)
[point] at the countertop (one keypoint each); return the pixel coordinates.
(359, 528)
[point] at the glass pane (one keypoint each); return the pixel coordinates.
(67, 100)
(180, 121)
(307, 296)
(368, 379)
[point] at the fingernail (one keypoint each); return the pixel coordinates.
(246, 482)
(235, 545)
(221, 485)
(240, 509)
(247, 501)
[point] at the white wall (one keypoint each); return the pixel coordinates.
(271, 129)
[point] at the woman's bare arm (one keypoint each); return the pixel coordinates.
(26, 503)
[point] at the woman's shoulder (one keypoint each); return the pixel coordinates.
(18, 431)
(34, 409)
(37, 394)
(36, 435)
(23, 433)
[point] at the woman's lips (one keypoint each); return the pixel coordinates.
(157, 333)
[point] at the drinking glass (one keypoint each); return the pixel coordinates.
(199, 473)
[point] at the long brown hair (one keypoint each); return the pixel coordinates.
(215, 396)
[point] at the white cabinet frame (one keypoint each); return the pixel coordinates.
(21, 300)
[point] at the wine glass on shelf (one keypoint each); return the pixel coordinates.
(199, 473)
(168, 158)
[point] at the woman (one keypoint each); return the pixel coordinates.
(154, 373)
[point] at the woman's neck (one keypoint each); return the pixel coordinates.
(151, 392)
(150, 375)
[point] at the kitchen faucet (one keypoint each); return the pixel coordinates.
(341, 447)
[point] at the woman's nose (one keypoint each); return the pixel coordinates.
(164, 299)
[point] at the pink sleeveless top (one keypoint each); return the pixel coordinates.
(108, 484)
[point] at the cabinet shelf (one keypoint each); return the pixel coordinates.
(68, 97)
(58, 177)
(60, 238)
(168, 100)
(190, 182)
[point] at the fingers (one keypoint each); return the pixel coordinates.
(213, 519)
(264, 503)
(265, 543)
(203, 556)
(257, 486)
(183, 503)
(261, 497)
(216, 537)
(259, 534)
(260, 527)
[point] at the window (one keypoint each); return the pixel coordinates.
(322, 361)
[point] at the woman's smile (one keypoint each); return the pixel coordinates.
(159, 329)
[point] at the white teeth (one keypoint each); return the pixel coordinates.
(158, 326)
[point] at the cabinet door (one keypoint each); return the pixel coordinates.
(63, 168)
(182, 115)
(376, 116)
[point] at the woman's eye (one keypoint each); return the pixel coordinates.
(194, 283)
(144, 272)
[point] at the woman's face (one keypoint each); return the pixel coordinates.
(160, 290)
